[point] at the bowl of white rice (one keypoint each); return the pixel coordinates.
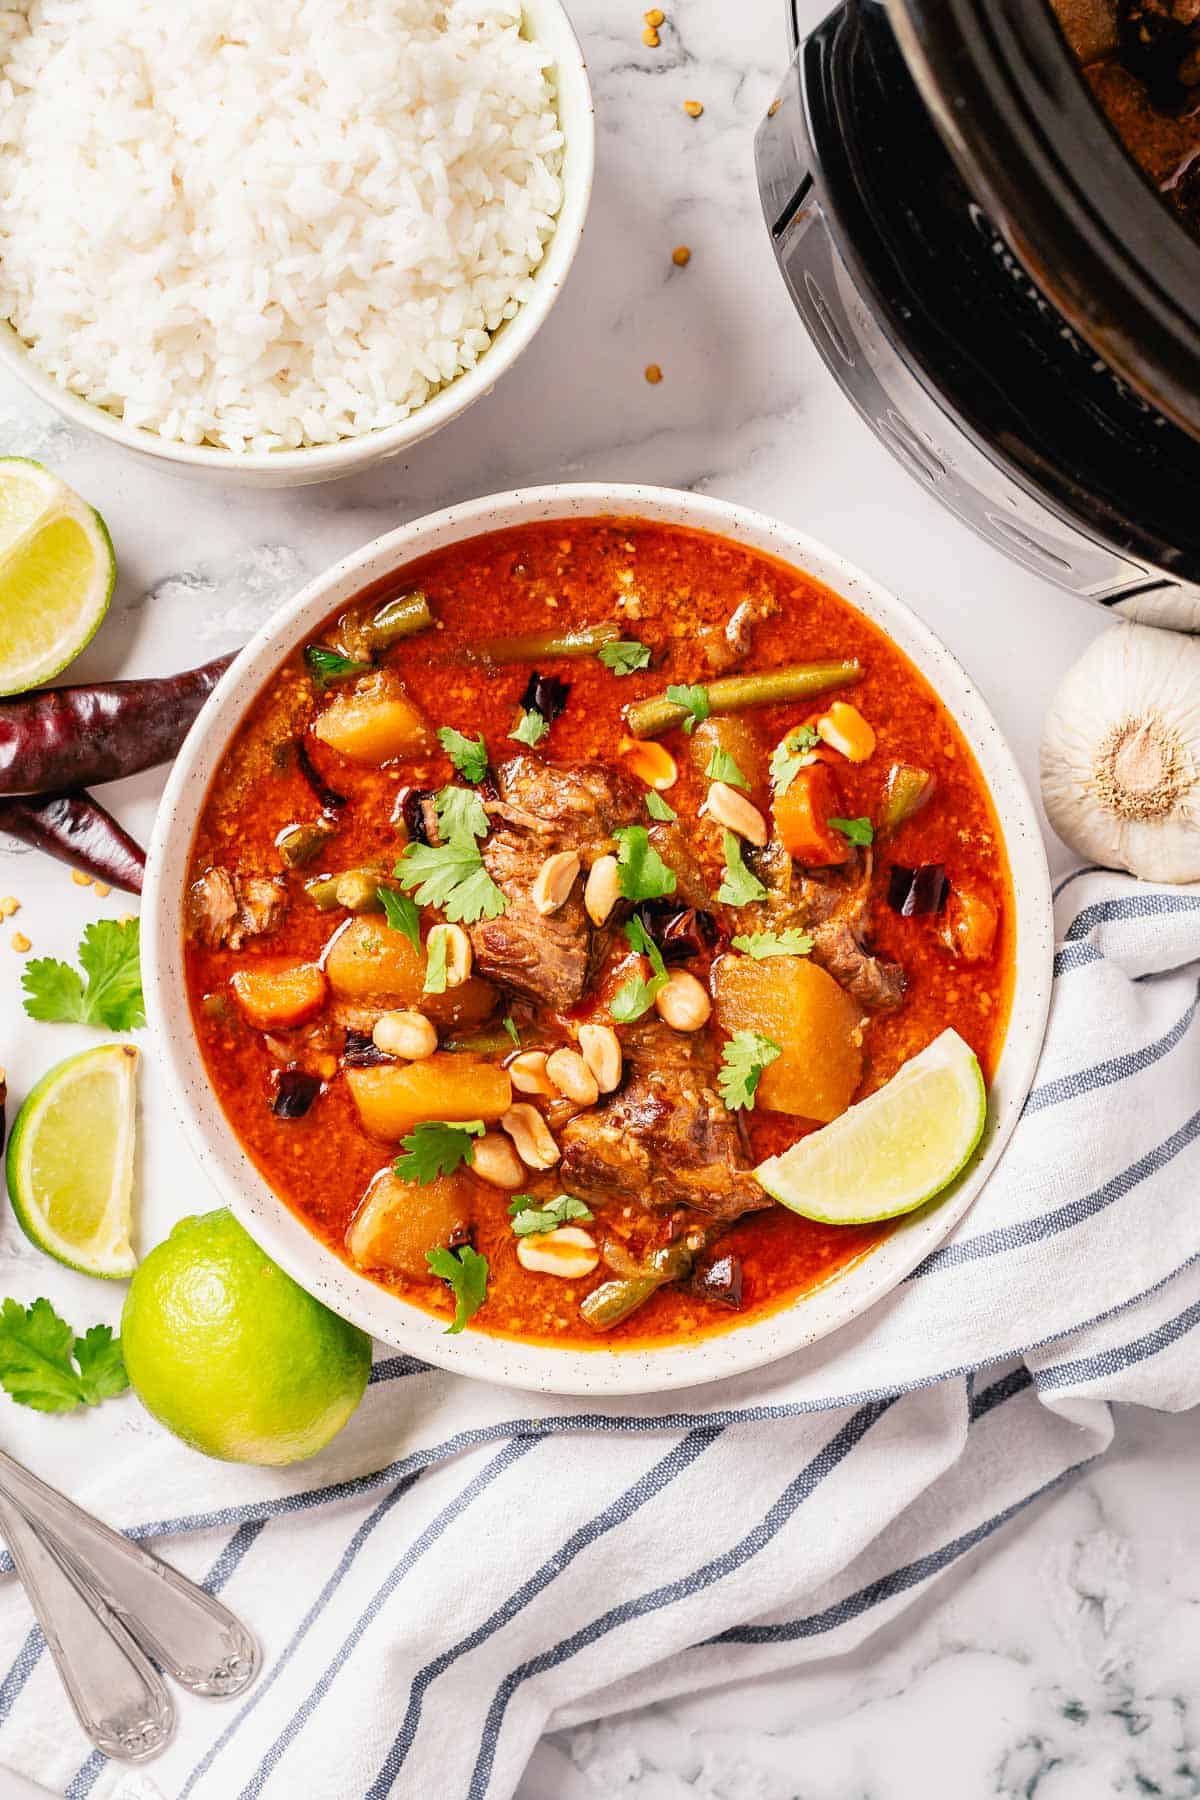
(282, 243)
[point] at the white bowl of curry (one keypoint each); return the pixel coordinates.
(452, 914)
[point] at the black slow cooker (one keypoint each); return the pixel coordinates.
(997, 287)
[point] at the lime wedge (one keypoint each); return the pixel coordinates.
(57, 572)
(894, 1150)
(70, 1162)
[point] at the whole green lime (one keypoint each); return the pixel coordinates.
(231, 1354)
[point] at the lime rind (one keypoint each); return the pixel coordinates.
(854, 1171)
(45, 501)
(108, 1252)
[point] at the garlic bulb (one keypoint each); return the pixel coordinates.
(1121, 754)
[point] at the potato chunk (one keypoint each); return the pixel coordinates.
(377, 969)
(815, 1023)
(274, 998)
(393, 1097)
(398, 1221)
(374, 723)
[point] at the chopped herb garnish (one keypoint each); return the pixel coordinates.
(694, 701)
(723, 767)
(625, 656)
(460, 811)
(657, 807)
(529, 1215)
(510, 1025)
(435, 967)
(530, 729)
(743, 1060)
(112, 995)
(402, 915)
(465, 1273)
(451, 877)
(469, 755)
(45, 1366)
(739, 885)
(435, 1148)
(325, 665)
(641, 871)
(859, 831)
(788, 757)
(635, 997)
(761, 944)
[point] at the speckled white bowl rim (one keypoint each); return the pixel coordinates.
(549, 26)
(605, 1370)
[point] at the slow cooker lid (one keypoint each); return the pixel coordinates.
(1016, 114)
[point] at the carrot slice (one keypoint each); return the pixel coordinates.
(800, 818)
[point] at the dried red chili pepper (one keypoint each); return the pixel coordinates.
(75, 737)
(77, 830)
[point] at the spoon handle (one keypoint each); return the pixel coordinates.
(118, 1699)
(187, 1632)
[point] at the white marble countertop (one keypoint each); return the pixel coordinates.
(1063, 1661)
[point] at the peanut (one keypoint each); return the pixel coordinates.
(553, 882)
(568, 1251)
(570, 1074)
(407, 1034)
(531, 1135)
(601, 1049)
(684, 1003)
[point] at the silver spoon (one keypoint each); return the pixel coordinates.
(69, 1559)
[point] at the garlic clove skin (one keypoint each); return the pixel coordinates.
(1120, 760)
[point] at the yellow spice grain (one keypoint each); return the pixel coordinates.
(20, 943)
(102, 890)
(651, 38)
(653, 374)
(693, 108)
(80, 879)
(655, 17)
(9, 905)
(681, 256)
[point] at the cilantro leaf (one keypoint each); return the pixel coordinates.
(402, 915)
(325, 665)
(635, 996)
(108, 952)
(45, 1366)
(435, 966)
(509, 1024)
(859, 831)
(723, 767)
(624, 656)
(451, 877)
(469, 755)
(465, 1273)
(739, 885)
(531, 728)
(529, 1215)
(460, 813)
(743, 1060)
(641, 871)
(657, 807)
(789, 757)
(694, 701)
(761, 944)
(434, 1148)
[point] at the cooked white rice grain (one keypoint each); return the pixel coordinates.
(263, 226)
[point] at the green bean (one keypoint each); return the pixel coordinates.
(907, 790)
(322, 891)
(532, 646)
(482, 1043)
(301, 844)
(355, 889)
(399, 618)
(613, 1301)
(730, 693)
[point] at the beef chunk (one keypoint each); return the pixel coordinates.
(224, 909)
(867, 978)
(543, 809)
(834, 907)
(665, 1139)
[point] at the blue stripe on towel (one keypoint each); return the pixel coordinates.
(1129, 906)
(647, 1487)
(1063, 1218)
(1120, 1356)
(774, 1519)
(1116, 1068)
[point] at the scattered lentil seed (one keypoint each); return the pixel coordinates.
(20, 943)
(655, 17)
(773, 108)
(127, 919)
(102, 890)
(653, 374)
(80, 879)
(651, 38)
(681, 256)
(9, 905)
(693, 108)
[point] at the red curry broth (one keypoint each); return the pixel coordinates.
(663, 584)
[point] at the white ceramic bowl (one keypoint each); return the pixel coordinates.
(604, 1370)
(548, 23)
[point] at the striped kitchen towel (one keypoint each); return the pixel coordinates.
(467, 1567)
